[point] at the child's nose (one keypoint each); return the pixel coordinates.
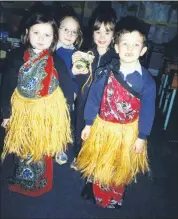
(41, 37)
(129, 47)
(69, 33)
(102, 36)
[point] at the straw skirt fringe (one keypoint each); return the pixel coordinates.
(107, 155)
(38, 126)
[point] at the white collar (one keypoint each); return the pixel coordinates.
(127, 71)
(59, 45)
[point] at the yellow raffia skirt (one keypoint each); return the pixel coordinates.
(107, 155)
(38, 126)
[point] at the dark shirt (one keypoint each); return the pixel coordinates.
(143, 85)
(99, 61)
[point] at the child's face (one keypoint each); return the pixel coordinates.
(130, 47)
(68, 31)
(40, 36)
(103, 37)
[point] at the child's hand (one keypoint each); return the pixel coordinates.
(4, 123)
(86, 132)
(139, 145)
(76, 57)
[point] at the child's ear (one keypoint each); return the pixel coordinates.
(143, 51)
(26, 31)
(116, 48)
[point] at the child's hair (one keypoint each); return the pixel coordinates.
(106, 16)
(42, 18)
(129, 24)
(79, 39)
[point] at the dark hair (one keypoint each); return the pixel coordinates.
(106, 16)
(129, 24)
(42, 18)
(79, 40)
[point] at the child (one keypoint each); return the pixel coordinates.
(118, 115)
(34, 109)
(103, 36)
(70, 39)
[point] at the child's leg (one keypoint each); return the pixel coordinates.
(78, 127)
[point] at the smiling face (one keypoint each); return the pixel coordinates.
(68, 31)
(130, 47)
(103, 37)
(40, 36)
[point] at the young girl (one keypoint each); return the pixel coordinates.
(103, 36)
(119, 114)
(35, 111)
(70, 39)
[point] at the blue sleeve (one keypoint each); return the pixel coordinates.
(93, 102)
(147, 107)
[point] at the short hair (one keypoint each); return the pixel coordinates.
(42, 18)
(79, 39)
(129, 24)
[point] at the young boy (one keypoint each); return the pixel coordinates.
(119, 114)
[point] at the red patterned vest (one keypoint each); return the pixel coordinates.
(118, 104)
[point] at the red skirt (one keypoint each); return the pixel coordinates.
(32, 179)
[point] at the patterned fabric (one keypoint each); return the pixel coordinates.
(32, 179)
(108, 197)
(118, 105)
(37, 76)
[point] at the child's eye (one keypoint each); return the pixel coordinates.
(137, 45)
(74, 33)
(35, 32)
(66, 30)
(97, 32)
(47, 35)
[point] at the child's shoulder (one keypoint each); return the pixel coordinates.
(147, 76)
(145, 72)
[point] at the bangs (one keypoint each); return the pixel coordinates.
(109, 26)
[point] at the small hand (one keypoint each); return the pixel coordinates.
(86, 132)
(76, 57)
(139, 145)
(4, 123)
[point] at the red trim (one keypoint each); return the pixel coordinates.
(48, 175)
(46, 81)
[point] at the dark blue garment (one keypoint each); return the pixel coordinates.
(143, 85)
(66, 55)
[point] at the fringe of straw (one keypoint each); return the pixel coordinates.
(107, 155)
(38, 126)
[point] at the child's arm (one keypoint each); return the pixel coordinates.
(93, 101)
(65, 80)
(9, 82)
(147, 112)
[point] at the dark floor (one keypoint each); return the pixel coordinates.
(154, 196)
